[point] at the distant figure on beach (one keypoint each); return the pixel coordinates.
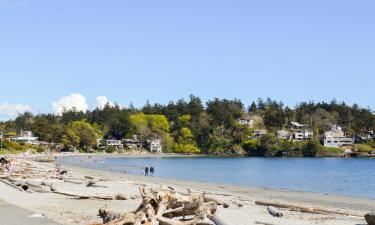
(146, 171)
(152, 170)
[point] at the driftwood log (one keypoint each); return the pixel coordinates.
(305, 209)
(264, 223)
(166, 208)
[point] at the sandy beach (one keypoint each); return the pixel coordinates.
(242, 208)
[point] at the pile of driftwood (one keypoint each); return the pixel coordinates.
(30, 177)
(166, 207)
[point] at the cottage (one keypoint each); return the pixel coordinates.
(154, 145)
(107, 143)
(336, 138)
(26, 137)
(283, 134)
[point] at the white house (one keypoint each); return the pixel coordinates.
(259, 133)
(105, 143)
(246, 122)
(337, 138)
(26, 137)
(302, 135)
(154, 145)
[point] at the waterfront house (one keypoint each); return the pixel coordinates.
(283, 134)
(337, 138)
(259, 133)
(154, 145)
(26, 137)
(364, 136)
(106, 143)
(133, 143)
(302, 135)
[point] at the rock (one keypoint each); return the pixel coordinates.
(274, 211)
(370, 218)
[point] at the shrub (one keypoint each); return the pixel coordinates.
(186, 148)
(110, 150)
(333, 150)
(312, 148)
(14, 146)
(253, 148)
(364, 147)
(39, 149)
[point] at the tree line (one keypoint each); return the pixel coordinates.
(191, 125)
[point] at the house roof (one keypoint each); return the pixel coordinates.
(296, 124)
(334, 133)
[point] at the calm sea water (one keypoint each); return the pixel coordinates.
(352, 176)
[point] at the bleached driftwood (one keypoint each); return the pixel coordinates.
(166, 208)
(304, 209)
(264, 223)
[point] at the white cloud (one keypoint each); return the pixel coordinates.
(11, 111)
(73, 101)
(101, 101)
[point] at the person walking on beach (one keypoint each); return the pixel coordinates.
(152, 170)
(146, 171)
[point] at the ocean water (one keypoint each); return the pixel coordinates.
(343, 176)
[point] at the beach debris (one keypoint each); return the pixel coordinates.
(304, 209)
(36, 216)
(264, 223)
(165, 207)
(27, 176)
(92, 183)
(274, 211)
(370, 218)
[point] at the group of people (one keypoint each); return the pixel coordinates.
(147, 170)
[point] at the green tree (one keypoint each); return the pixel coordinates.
(159, 122)
(311, 148)
(70, 138)
(85, 132)
(121, 126)
(24, 121)
(253, 148)
(253, 108)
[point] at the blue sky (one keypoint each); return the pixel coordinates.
(164, 50)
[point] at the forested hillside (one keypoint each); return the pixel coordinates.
(191, 125)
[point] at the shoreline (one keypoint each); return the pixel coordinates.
(230, 189)
(135, 154)
(67, 210)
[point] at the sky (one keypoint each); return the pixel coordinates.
(61, 54)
